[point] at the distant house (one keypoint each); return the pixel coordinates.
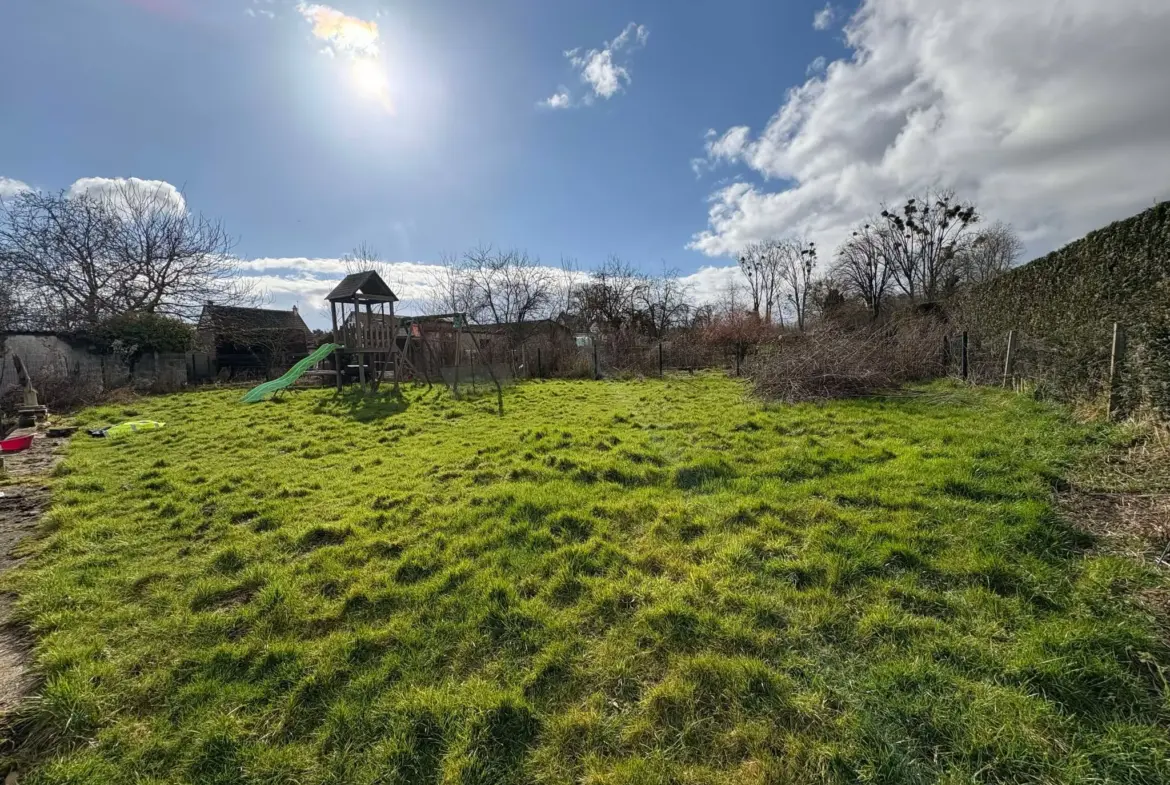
(252, 341)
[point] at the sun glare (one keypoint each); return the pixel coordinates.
(369, 78)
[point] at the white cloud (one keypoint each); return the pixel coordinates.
(824, 18)
(711, 284)
(10, 187)
(722, 148)
(111, 187)
(605, 70)
(305, 281)
(1014, 104)
(817, 66)
(558, 100)
(346, 33)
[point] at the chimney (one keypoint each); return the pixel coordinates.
(296, 310)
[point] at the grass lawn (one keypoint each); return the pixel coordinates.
(617, 582)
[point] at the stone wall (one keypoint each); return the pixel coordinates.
(61, 361)
(47, 358)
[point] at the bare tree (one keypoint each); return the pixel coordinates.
(764, 264)
(451, 289)
(663, 302)
(508, 287)
(610, 295)
(58, 248)
(798, 278)
(702, 316)
(177, 259)
(924, 238)
(735, 327)
(570, 278)
(862, 266)
(990, 253)
(81, 258)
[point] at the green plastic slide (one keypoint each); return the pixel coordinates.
(257, 394)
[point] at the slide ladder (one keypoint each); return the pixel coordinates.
(257, 394)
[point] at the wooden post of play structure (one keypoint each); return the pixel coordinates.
(1009, 361)
(458, 352)
(1116, 360)
(966, 365)
(338, 341)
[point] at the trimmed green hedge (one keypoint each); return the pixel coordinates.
(1069, 300)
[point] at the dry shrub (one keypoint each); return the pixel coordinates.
(67, 392)
(831, 361)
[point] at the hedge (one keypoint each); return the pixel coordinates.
(1070, 299)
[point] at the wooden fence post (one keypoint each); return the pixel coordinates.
(539, 367)
(966, 364)
(596, 366)
(1116, 359)
(1009, 362)
(660, 358)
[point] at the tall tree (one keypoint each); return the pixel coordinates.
(609, 297)
(451, 289)
(570, 278)
(798, 278)
(765, 265)
(664, 303)
(80, 258)
(862, 266)
(925, 236)
(508, 287)
(177, 259)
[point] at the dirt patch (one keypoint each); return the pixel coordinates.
(1124, 499)
(15, 644)
(21, 507)
(1137, 524)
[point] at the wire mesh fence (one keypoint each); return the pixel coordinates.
(1122, 370)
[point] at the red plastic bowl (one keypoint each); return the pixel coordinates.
(17, 444)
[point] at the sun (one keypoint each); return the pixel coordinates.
(369, 78)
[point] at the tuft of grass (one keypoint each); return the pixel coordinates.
(616, 582)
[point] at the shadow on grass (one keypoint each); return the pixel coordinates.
(365, 407)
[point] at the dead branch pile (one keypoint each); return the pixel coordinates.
(835, 362)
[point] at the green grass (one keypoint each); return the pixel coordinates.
(617, 582)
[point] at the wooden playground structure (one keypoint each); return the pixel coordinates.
(385, 346)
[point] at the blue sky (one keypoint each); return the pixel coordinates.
(724, 127)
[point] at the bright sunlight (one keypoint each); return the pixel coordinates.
(368, 76)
